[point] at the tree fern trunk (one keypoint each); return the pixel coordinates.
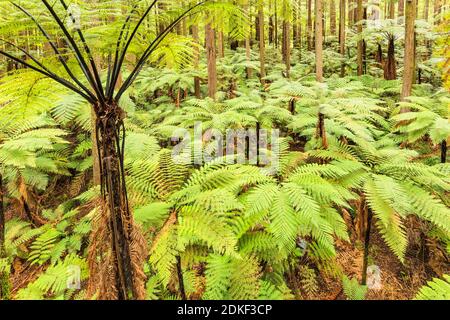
(366, 246)
(4, 278)
(109, 129)
(444, 151)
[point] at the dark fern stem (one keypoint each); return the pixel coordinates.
(181, 279)
(367, 247)
(444, 150)
(4, 278)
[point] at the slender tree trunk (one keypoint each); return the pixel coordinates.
(276, 23)
(196, 37)
(287, 58)
(220, 44)
(319, 40)
(333, 17)
(257, 28)
(271, 30)
(360, 42)
(342, 35)
(262, 45)
(211, 57)
(248, 46)
(298, 42)
(286, 40)
(391, 10)
(410, 48)
(309, 33)
(437, 12)
(95, 156)
(350, 13)
(401, 8)
(426, 10)
(368, 219)
(390, 67)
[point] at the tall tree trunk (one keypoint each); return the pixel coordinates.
(161, 6)
(410, 48)
(390, 67)
(309, 33)
(342, 35)
(276, 23)
(298, 41)
(426, 10)
(196, 37)
(350, 13)
(401, 8)
(391, 10)
(249, 71)
(220, 45)
(271, 26)
(286, 39)
(319, 40)
(257, 28)
(360, 42)
(262, 45)
(287, 56)
(211, 58)
(437, 12)
(333, 17)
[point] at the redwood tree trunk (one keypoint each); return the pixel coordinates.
(342, 34)
(391, 10)
(262, 45)
(196, 61)
(248, 46)
(319, 40)
(220, 44)
(390, 69)
(333, 17)
(360, 42)
(309, 33)
(401, 8)
(211, 57)
(426, 10)
(410, 48)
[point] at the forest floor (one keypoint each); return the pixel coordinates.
(399, 281)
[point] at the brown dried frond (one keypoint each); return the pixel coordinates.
(102, 264)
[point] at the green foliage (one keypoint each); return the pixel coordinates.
(238, 230)
(353, 290)
(438, 289)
